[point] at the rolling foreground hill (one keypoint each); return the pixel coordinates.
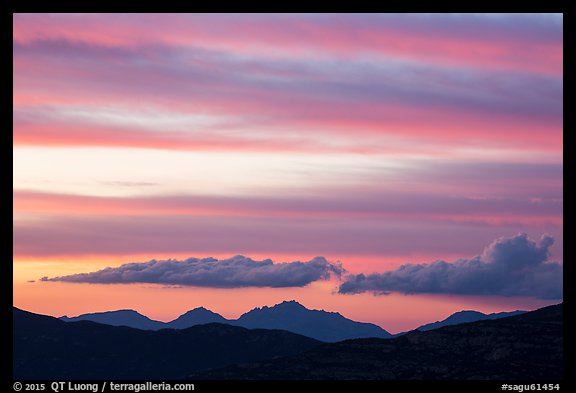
(48, 348)
(522, 347)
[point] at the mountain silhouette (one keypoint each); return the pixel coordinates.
(133, 319)
(318, 324)
(528, 346)
(197, 316)
(128, 318)
(466, 316)
(48, 348)
(289, 315)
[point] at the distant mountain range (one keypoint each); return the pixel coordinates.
(129, 318)
(466, 316)
(528, 346)
(48, 348)
(133, 319)
(289, 315)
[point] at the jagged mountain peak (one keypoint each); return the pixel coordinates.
(322, 325)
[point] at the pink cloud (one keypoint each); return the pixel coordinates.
(74, 235)
(64, 134)
(459, 40)
(421, 132)
(437, 108)
(386, 205)
(427, 85)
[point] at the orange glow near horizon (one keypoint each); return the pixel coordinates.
(394, 312)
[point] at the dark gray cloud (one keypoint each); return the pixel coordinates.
(515, 266)
(235, 272)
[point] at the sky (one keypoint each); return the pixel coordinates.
(395, 168)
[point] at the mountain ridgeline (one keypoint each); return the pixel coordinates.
(129, 318)
(466, 316)
(289, 315)
(318, 324)
(133, 319)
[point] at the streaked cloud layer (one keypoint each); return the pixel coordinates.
(288, 82)
(374, 139)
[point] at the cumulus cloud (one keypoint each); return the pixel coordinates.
(514, 266)
(235, 272)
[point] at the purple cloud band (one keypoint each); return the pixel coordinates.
(235, 272)
(515, 266)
